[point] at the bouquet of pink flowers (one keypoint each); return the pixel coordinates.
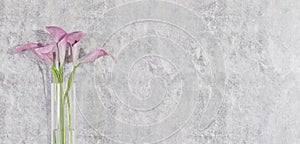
(54, 53)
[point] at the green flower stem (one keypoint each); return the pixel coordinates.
(62, 128)
(62, 117)
(70, 122)
(66, 97)
(56, 95)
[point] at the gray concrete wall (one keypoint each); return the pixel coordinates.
(188, 71)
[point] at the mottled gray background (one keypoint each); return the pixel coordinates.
(188, 71)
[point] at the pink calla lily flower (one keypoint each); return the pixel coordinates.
(28, 46)
(75, 37)
(57, 33)
(45, 53)
(48, 47)
(73, 40)
(59, 36)
(46, 57)
(95, 54)
(40, 50)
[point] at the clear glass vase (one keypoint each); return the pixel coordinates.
(63, 118)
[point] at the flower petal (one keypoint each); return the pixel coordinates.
(46, 48)
(62, 47)
(46, 57)
(57, 33)
(75, 37)
(75, 51)
(95, 54)
(26, 47)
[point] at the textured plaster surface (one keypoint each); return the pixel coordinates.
(188, 71)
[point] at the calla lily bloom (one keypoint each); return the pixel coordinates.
(48, 47)
(40, 50)
(45, 53)
(46, 57)
(57, 33)
(28, 46)
(59, 36)
(73, 40)
(95, 54)
(75, 37)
